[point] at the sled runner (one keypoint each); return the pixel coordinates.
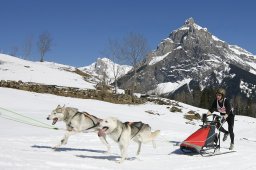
(205, 141)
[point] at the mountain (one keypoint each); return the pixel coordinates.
(105, 67)
(190, 62)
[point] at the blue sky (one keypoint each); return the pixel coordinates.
(80, 29)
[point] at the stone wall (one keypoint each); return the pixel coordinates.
(72, 92)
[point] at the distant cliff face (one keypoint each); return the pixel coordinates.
(193, 56)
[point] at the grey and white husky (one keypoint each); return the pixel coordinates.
(76, 122)
(123, 133)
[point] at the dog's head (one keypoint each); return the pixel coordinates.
(57, 114)
(107, 126)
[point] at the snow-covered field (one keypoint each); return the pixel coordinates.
(26, 147)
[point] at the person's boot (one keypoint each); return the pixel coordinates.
(225, 136)
(231, 146)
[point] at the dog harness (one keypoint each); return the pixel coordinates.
(88, 116)
(138, 125)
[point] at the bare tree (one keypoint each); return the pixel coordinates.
(114, 51)
(135, 49)
(14, 50)
(28, 47)
(44, 44)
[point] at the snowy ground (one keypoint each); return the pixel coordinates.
(12, 68)
(26, 147)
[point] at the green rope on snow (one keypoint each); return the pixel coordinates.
(25, 120)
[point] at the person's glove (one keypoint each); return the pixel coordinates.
(208, 113)
(204, 118)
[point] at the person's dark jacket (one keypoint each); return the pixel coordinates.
(226, 103)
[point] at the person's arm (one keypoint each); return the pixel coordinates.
(228, 107)
(228, 110)
(212, 108)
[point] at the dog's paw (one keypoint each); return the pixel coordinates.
(106, 152)
(56, 147)
(120, 161)
(138, 158)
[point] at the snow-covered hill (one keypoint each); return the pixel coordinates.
(12, 68)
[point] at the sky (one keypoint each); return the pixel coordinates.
(80, 29)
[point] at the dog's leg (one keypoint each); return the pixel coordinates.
(154, 144)
(65, 139)
(104, 141)
(139, 148)
(123, 150)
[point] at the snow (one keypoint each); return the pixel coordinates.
(156, 59)
(247, 88)
(217, 39)
(238, 50)
(184, 28)
(168, 87)
(198, 27)
(26, 147)
(12, 68)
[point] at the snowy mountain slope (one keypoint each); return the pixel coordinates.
(191, 63)
(26, 147)
(12, 68)
(106, 67)
(181, 39)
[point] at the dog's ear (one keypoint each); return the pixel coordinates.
(63, 108)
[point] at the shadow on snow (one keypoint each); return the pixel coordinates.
(68, 149)
(110, 158)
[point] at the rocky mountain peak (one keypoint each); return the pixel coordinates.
(189, 21)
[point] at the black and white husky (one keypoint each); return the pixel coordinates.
(123, 133)
(76, 122)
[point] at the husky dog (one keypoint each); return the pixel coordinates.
(76, 122)
(123, 133)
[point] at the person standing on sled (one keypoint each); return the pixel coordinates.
(222, 105)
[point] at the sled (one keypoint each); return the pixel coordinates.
(205, 141)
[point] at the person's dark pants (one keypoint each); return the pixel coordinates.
(230, 120)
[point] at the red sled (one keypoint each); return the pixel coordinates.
(205, 140)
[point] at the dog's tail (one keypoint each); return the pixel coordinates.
(155, 134)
